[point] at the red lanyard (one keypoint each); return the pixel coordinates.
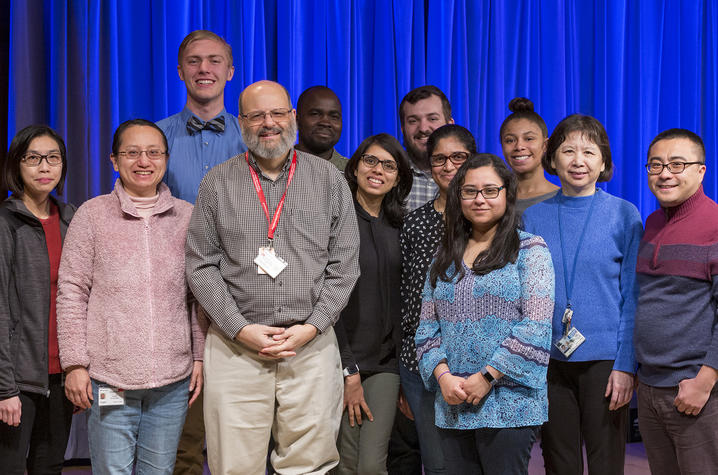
(258, 188)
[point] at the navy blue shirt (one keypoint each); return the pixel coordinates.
(192, 156)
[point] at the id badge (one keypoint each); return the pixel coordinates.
(570, 342)
(110, 396)
(268, 262)
(262, 252)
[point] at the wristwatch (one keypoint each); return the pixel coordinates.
(350, 370)
(490, 379)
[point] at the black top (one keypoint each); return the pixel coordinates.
(25, 297)
(368, 328)
(420, 238)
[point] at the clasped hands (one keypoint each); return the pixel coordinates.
(456, 389)
(276, 342)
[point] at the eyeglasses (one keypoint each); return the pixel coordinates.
(470, 193)
(256, 118)
(152, 154)
(457, 158)
(35, 159)
(370, 161)
(656, 168)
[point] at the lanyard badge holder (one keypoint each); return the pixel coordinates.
(267, 260)
(572, 338)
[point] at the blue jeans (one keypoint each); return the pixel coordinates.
(421, 402)
(144, 431)
(488, 451)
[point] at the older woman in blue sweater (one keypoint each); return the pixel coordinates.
(593, 238)
(484, 332)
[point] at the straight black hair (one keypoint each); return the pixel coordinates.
(462, 134)
(11, 179)
(117, 138)
(504, 246)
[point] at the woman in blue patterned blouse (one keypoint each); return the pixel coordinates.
(485, 328)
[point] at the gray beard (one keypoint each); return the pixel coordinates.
(287, 137)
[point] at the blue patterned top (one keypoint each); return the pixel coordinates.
(501, 319)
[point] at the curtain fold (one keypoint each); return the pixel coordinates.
(639, 67)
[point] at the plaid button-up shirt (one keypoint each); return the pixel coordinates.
(317, 235)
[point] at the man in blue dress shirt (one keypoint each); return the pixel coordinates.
(201, 136)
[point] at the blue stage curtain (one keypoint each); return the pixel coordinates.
(638, 66)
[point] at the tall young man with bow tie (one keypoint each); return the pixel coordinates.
(201, 136)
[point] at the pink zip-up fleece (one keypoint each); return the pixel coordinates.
(123, 305)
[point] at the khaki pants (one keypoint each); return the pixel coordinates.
(298, 400)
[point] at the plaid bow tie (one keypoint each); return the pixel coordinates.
(195, 125)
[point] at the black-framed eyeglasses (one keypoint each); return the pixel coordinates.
(457, 158)
(257, 117)
(470, 193)
(371, 161)
(152, 154)
(656, 168)
(35, 159)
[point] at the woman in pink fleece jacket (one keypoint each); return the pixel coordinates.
(131, 352)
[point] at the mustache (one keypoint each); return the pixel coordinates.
(269, 130)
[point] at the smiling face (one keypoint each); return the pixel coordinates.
(578, 163)
(673, 189)
(419, 121)
(140, 176)
(269, 139)
(39, 181)
(443, 174)
(205, 69)
(523, 145)
(319, 120)
(375, 181)
(483, 214)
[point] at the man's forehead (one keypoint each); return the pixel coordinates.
(675, 148)
(265, 97)
(205, 47)
(321, 99)
(427, 106)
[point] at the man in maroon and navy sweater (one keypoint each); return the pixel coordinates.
(676, 326)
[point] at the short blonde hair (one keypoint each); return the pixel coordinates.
(203, 35)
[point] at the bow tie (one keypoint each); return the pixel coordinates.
(195, 125)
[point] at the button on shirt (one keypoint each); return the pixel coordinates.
(317, 236)
(193, 155)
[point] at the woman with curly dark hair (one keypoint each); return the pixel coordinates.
(368, 329)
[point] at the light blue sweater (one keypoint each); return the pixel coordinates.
(605, 289)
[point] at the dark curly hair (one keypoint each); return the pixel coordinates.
(393, 204)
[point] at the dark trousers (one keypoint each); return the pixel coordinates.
(578, 412)
(503, 451)
(675, 442)
(44, 429)
(190, 451)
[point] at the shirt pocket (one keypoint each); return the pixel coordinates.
(309, 231)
